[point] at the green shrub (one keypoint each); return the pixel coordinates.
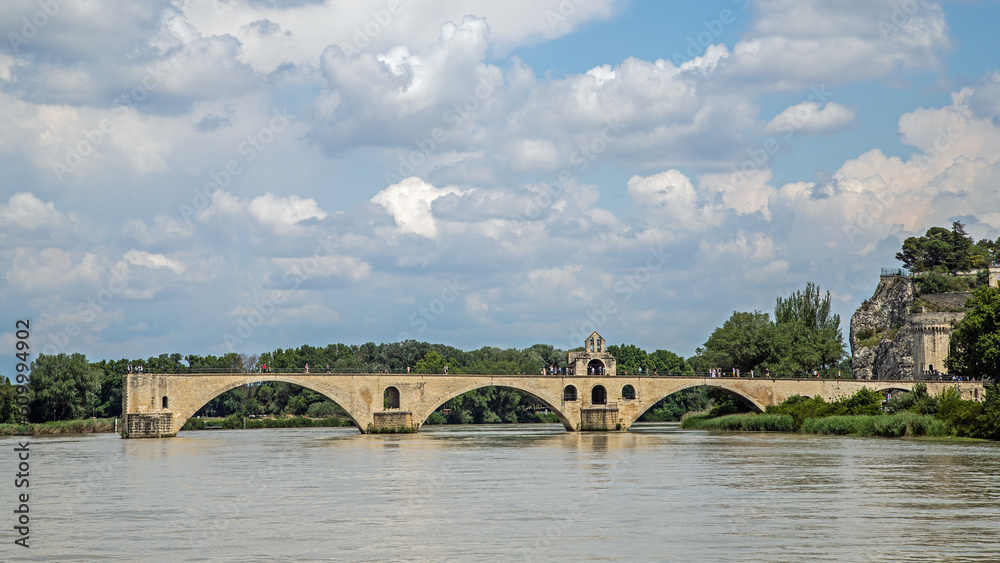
(194, 424)
(324, 409)
(801, 408)
(435, 418)
(741, 422)
(865, 334)
(937, 282)
(895, 425)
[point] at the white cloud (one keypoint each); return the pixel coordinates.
(26, 211)
(50, 270)
(324, 267)
(154, 261)
(808, 118)
(409, 203)
(283, 214)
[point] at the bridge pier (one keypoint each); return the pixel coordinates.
(392, 422)
(148, 425)
(602, 418)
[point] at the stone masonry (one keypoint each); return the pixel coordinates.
(158, 405)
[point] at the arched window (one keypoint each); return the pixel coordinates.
(164, 401)
(569, 393)
(595, 367)
(391, 398)
(628, 392)
(599, 395)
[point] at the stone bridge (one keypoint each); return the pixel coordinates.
(158, 405)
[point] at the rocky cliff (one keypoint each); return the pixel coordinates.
(881, 337)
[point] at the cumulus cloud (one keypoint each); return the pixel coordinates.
(154, 261)
(324, 267)
(283, 215)
(794, 45)
(24, 210)
(52, 269)
(409, 203)
(809, 118)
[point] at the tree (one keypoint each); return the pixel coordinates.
(975, 343)
(8, 401)
(431, 363)
(745, 341)
(62, 387)
(629, 357)
(666, 362)
(809, 335)
(942, 250)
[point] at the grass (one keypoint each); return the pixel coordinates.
(897, 425)
(741, 422)
(234, 422)
(83, 426)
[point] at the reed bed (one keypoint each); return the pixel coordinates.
(741, 422)
(84, 426)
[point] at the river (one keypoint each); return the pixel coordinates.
(505, 492)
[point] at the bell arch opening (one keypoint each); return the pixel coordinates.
(390, 398)
(598, 395)
(570, 393)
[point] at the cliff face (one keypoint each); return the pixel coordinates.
(881, 338)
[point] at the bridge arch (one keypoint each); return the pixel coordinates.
(203, 394)
(649, 399)
(549, 402)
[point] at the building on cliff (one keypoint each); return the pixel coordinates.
(898, 334)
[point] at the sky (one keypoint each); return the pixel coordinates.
(218, 176)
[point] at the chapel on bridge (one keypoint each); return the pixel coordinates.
(594, 359)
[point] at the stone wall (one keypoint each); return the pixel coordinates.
(148, 425)
(601, 418)
(952, 302)
(393, 421)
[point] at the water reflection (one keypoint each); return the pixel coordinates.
(530, 492)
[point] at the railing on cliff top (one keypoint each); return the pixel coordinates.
(895, 272)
